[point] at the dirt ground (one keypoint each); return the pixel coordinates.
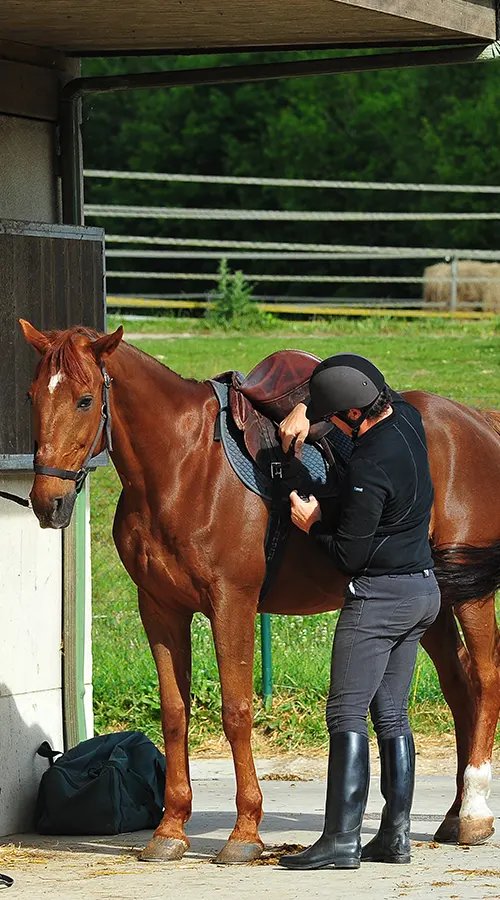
(436, 754)
(108, 868)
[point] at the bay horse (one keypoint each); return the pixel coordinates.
(191, 536)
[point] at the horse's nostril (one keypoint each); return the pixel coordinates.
(58, 502)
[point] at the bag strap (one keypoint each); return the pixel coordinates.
(6, 881)
(46, 751)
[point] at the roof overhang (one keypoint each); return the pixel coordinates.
(102, 27)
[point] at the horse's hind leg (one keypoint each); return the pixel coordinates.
(169, 635)
(445, 647)
(234, 643)
(481, 635)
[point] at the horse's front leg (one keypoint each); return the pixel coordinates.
(169, 635)
(233, 627)
(481, 635)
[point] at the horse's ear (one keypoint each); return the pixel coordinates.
(37, 339)
(107, 344)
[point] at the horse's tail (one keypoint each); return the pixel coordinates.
(467, 573)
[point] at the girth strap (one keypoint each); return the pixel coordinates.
(278, 529)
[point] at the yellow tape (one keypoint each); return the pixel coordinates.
(303, 310)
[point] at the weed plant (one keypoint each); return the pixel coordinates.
(233, 307)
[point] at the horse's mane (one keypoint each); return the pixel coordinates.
(492, 417)
(65, 356)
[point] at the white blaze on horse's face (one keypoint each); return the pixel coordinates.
(54, 381)
(477, 781)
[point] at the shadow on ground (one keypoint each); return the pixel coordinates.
(207, 831)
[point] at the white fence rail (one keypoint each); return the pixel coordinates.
(102, 210)
(179, 177)
(351, 250)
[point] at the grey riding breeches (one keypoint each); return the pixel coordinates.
(375, 649)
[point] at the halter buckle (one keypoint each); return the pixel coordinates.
(80, 477)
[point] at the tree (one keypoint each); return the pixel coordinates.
(436, 124)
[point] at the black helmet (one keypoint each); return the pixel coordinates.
(341, 382)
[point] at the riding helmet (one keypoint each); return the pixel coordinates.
(341, 382)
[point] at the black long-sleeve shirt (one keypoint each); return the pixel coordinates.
(386, 499)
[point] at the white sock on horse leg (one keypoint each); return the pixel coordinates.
(477, 783)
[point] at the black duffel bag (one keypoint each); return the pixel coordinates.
(106, 785)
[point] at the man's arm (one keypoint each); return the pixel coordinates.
(365, 490)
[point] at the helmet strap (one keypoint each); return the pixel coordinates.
(355, 424)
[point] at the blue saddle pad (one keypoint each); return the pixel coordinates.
(313, 474)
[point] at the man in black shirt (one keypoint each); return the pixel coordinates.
(381, 542)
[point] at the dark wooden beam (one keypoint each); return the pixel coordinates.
(104, 26)
(28, 91)
(269, 71)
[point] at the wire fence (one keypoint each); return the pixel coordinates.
(460, 278)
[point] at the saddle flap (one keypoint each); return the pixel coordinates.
(261, 440)
(241, 408)
(279, 382)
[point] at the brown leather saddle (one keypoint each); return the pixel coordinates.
(262, 399)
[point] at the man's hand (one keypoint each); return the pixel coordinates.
(296, 425)
(304, 512)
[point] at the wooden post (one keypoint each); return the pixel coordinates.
(454, 284)
(75, 537)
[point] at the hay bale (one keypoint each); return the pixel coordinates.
(471, 294)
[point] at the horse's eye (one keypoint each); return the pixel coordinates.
(85, 402)
(29, 398)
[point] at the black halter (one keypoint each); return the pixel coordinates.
(80, 476)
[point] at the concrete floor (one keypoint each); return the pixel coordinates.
(107, 868)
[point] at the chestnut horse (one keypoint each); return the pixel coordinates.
(191, 537)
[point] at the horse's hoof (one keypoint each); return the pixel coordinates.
(162, 849)
(236, 853)
(447, 832)
(475, 831)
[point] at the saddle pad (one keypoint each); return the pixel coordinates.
(342, 445)
(314, 471)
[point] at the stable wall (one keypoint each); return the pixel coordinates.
(28, 186)
(31, 560)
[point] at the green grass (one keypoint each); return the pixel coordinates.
(460, 360)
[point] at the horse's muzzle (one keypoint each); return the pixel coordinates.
(54, 512)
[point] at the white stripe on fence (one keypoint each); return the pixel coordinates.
(275, 215)
(244, 255)
(294, 182)
(317, 279)
(348, 249)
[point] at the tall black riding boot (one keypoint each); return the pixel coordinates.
(397, 779)
(346, 796)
